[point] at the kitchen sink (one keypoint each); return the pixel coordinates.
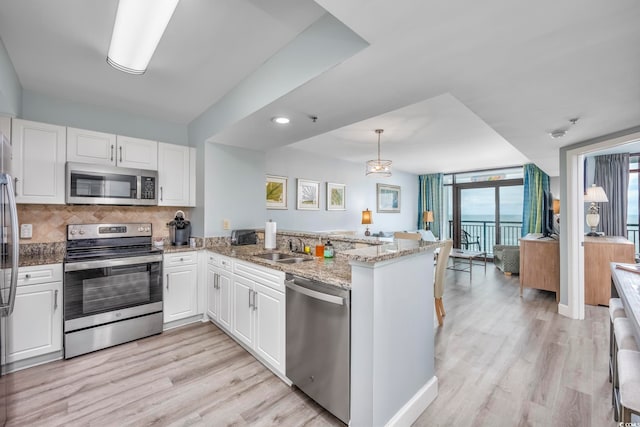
(293, 260)
(275, 256)
(283, 258)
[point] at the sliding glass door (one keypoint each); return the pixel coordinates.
(486, 214)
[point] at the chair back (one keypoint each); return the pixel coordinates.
(408, 236)
(441, 267)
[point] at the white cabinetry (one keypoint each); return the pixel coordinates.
(35, 326)
(88, 146)
(176, 175)
(219, 285)
(259, 312)
(137, 153)
(101, 148)
(39, 156)
(180, 289)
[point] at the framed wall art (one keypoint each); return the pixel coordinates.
(336, 196)
(388, 198)
(308, 195)
(276, 193)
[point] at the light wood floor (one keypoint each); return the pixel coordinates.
(500, 361)
(194, 375)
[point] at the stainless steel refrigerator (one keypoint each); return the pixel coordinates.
(9, 252)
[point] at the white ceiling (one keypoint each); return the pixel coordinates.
(457, 85)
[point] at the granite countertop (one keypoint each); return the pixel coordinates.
(41, 254)
(335, 271)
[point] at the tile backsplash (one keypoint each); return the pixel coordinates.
(50, 221)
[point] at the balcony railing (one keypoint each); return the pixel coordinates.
(486, 232)
(510, 233)
(633, 234)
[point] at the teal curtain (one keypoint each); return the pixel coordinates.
(536, 182)
(430, 198)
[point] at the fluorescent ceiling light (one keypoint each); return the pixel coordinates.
(138, 29)
(281, 120)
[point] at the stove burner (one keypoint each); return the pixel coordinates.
(107, 241)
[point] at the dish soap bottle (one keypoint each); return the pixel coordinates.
(328, 250)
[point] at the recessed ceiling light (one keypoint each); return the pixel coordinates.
(281, 120)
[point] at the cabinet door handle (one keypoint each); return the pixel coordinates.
(120, 153)
(112, 153)
(167, 281)
(161, 193)
(250, 292)
(216, 281)
(15, 187)
(255, 301)
(55, 300)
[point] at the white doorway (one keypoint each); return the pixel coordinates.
(572, 223)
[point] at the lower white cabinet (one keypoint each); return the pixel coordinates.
(35, 326)
(180, 291)
(219, 296)
(259, 320)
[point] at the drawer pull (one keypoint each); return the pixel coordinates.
(167, 282)
(27, 276)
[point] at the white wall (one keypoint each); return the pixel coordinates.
(47, 109)
(233, 189)
(360, 194)
(10, 88)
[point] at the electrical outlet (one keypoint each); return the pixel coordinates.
(26, 231)
(225, 224)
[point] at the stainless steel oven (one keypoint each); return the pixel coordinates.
(112, 286)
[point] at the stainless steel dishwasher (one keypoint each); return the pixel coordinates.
(319, 342)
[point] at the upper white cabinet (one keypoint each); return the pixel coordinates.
(39, 155)
(137, 153)
(87, 146)
(176, 175)
(101, 148)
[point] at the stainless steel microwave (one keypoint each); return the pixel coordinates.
(88, 184)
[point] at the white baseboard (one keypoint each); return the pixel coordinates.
(416, 405)
(564, 310)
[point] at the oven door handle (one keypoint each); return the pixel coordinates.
(117, 262)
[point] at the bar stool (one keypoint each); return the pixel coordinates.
(615, 310)
(629, 371)
(624, 340)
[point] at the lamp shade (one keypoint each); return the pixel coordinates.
(366, 217)
(595, 194)
(427, 216)
(556, 206)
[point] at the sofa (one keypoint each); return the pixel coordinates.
(507, 258)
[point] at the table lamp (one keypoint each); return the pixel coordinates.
(594, 195)
(427, 217)
(366, 219)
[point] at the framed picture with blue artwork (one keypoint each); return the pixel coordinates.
(388, 198)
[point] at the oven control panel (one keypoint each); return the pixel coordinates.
(95, 231)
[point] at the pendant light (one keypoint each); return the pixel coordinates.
(379, 167)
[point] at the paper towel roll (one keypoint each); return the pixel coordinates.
(270, 235)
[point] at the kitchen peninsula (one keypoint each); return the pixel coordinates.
(392, 345)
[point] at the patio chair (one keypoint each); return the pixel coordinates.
(469, 240)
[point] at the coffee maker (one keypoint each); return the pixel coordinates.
(179, 230)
